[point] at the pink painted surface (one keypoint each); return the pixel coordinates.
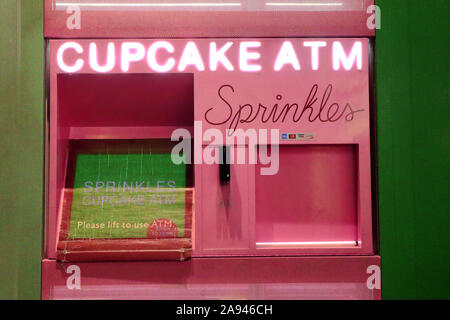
(154, 132)
(208, 278)
(136, 106)
(312, 198)
(225, 212)
(126, 100)
(347, 20)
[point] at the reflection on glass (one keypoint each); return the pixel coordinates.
(211, 5)
(155, 5)
(126, 190)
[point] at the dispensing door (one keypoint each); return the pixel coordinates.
(311, 201)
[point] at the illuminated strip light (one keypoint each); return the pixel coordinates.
(199, 4)
(304, 4)
(308, 244)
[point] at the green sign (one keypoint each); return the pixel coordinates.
(127, 196)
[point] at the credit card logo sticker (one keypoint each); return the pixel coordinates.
(297, 136)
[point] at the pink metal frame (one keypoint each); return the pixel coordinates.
(209, 278)
(352, 87)
(139, 23)
(234, 277)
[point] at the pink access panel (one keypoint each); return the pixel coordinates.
(317, 199)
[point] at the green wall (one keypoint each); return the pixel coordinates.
(21, 147)
(412, 111)
(412, 87)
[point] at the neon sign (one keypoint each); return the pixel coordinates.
(247, 56)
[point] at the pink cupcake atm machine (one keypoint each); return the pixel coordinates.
(210, 150)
